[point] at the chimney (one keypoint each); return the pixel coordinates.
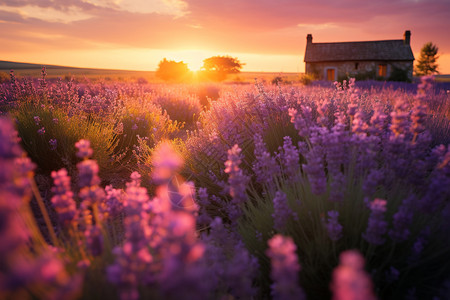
(407, 37)
(309, 39)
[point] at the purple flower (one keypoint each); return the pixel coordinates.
(41, 131)
(240, 273)
(302, 122)
(378, 122)
(24, 166)
(9, 140)
(53, 144)
(418, 118)
(315, 161)
(233, 268)
(94, 240)
(285, 268)
(128, 270)
(166, 162)
(337, 188)
(352, 108)
(282, 211)
(132, 261)
(290, 160)
(315, 170)
(237, 181)
(265, 166)
(183, 273)
(114, 201)
(420, 243)
(135, 180)
(336, 148)
(402, 220)
(377, 226)
(325, 110)
(88, 173)
(203, 217)
(91, 195)
(84, 149)
(333, 227)
(359, 126)
(438, 190)
(354, 100)
(55, 120)
(372, 181)
(37, 120)
(62, 200)
(12, 232)
(400, 117)
(350, 281)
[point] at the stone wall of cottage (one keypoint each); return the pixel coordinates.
(362, 69)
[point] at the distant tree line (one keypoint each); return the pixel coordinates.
(215, 68)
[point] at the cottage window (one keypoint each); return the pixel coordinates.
(382, 70)
(356, 66)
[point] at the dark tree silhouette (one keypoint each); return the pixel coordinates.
(426, 64)
(170, 70)
(218, 67)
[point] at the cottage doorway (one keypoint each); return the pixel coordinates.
(330, 74)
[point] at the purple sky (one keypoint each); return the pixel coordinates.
(266, 35)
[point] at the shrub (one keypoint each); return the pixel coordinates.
(180, 106)
(48, 135)
(170, 70)
(352, 182)
(306, 79)
(398, 74)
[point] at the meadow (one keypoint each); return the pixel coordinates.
(133, 189)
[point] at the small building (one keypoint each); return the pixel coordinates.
(386, 60)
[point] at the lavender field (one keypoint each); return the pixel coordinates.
(113, 190)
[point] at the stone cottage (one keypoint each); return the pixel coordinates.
(387, 59)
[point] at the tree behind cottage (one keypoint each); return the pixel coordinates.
(426, 64)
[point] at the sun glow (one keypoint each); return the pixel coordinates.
(193, 58)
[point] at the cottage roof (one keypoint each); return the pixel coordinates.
(359, 51)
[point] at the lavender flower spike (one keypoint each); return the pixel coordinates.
(333, 227)
(285, 268)
(166, 162)
(265, 166)
(237, 181)
(62, 200)
(350, 281)
(84, 149)
(282, 212)
(402, 220)
(377, 226)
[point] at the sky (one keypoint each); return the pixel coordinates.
(266, 35)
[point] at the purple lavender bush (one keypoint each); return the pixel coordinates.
(29, 267)
(364, 173)
(286, 180)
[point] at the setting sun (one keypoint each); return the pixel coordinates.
(193, 58)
